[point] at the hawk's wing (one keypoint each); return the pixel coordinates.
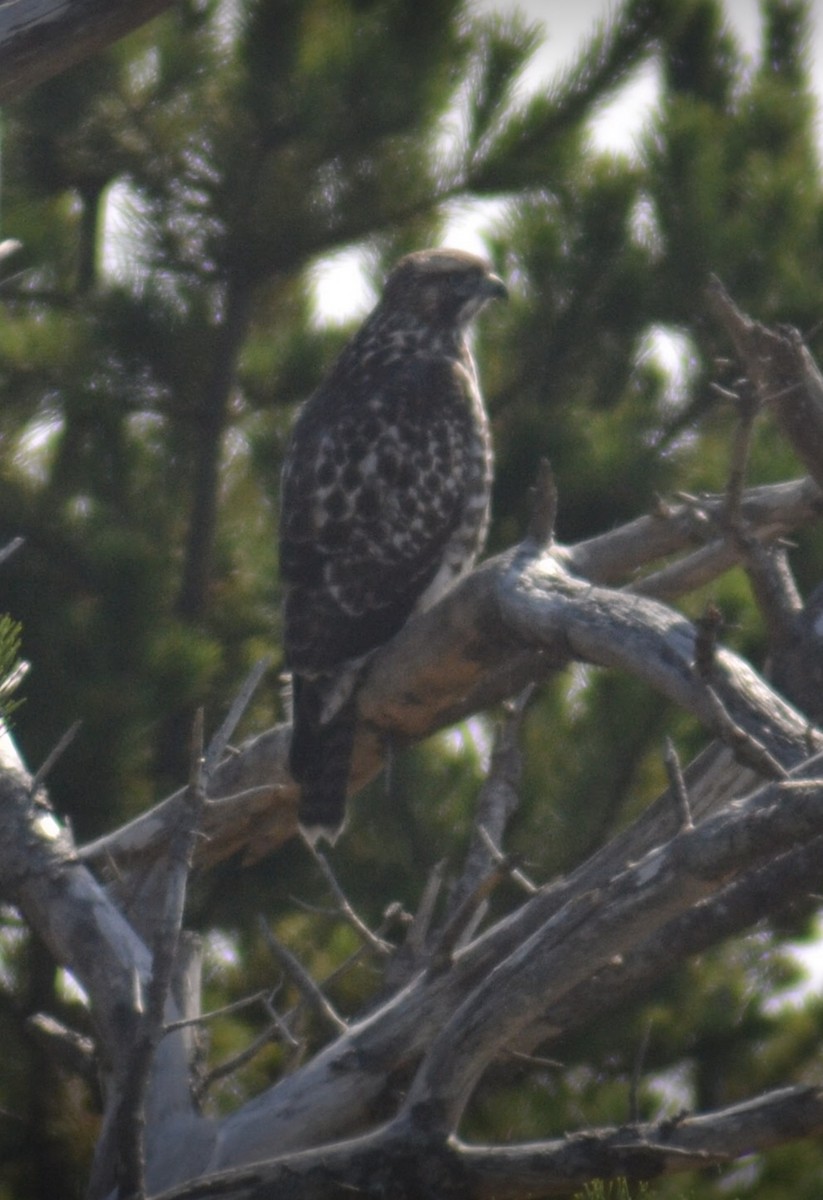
(373, 488)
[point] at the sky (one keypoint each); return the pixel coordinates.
(340, 290)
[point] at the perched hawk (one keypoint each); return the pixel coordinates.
(385, 498)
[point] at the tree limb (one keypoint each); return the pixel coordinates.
(39, 40)
(784, 374)
(443, 666)
(396, 1160)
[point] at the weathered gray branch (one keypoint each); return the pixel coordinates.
(334, 1094)
(641, 1152)
(592, 929)
(89, 935)
(785, 377)
(664, 888)
(402, 1161)
(445, 665)
(40, 38)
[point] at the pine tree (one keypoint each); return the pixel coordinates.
(150, 377)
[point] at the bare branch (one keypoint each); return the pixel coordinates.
(770, 511)
(783, 373)
(54, 755)
(277, 1028)
(499, 799)
(14, 545)
(641, 1151)
(514, 872)
(444, 665)
(214, 1013)
(544, 507)
(72, 1050)
(678, 785)
(311, 993)
(745, 746)
(218, 744)
(564, 952)
(747, 407)
(38, 41)
(402, 1157)
(377, 944)
(616, 629)
(462, 918)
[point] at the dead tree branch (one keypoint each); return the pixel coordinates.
(402, 1161)
(446, 664)
(705, 860)
(43, 39)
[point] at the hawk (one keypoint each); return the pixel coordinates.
(384, 503)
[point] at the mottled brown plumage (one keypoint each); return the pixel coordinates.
(385, 497)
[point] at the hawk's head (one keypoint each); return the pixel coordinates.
(442, 287)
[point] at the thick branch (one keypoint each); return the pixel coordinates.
(86, 933)
(730, 911)
(38, 40)
(642, 1151)
(616, 629)
(590, 931)
(334, 1095)
(446, 664)
(770, 511)
(398, 1161)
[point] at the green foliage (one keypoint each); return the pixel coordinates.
(10, 631)
(146, 404)
(618, 1189)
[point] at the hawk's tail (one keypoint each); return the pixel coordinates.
(319, 759)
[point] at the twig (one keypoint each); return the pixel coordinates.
(377, 944)
(212, 1014)
(708, 627)
(280, 1025)
(744, 746)
(543, 507)
(498, 800)
(536, 1060)
(11, 682)
(10, 547)
(310, 991)
(72, 1050)
(53, 756)
(747, 407)
(677, 784)
(419, 928)
(277, 1026)
(394, 913)
(770, 575)
(223, 736)
(459, 920)
(407, 957)
(508, 863)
